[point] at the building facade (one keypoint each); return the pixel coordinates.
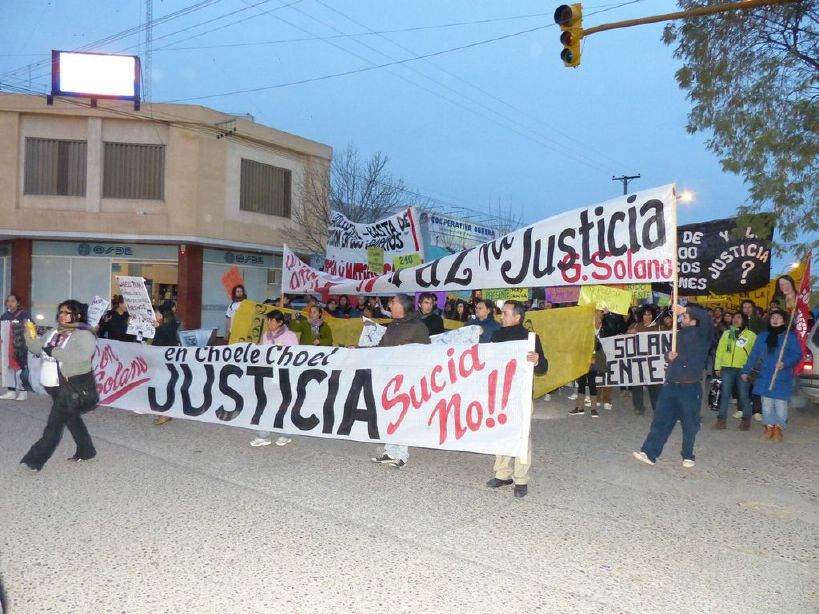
(176, 194)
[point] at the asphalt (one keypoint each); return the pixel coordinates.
(187, 517)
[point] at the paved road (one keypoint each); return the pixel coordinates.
(188, 518)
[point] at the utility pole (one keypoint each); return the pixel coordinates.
(147, 67)
(625, 179)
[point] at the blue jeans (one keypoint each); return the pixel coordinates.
(397, 452)
(774, 412)
(731, 377)
(676, 402)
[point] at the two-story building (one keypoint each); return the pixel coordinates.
(176, 194)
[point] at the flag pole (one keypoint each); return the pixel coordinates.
(675, 282)
(782, 349)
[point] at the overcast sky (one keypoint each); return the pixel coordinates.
(499, 123)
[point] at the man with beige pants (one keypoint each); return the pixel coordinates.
(509, 469)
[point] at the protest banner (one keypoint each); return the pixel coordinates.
(603, 297)
(231, 279)
(407, 261)
(375, 260)
(506, 294)
(629, 239)
(561, 294)
(474, 398)
(633, 360)
(762, 297)
(138, 302)
(372, 332)
(347, 242)
(446, 235)
(96, 309)
(801, 316)
(639, 292)
(723, 258)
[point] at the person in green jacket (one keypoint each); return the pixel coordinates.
(312, 330)
(732, 353)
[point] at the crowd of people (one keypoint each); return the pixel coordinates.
(749, 352)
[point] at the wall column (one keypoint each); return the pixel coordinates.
(189, 288)
(21, 270)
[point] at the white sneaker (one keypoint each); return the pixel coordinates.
(283, 441)
(573, 396)
(547, 397)
(606, 405)
(587, 402)
(22, 395)
(737, 414)
(260, 441)
(758, 417)
(688, 463)
(11, 395)
(641, 456)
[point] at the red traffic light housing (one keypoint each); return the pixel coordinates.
(570, 19)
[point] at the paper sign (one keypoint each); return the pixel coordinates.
(140, 310)
(506, 294)
(603, 297)
(562, 294)
(639, 292)
(97, 309)
(231, 279)
(375, 260)
(406, 261)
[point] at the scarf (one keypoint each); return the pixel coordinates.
(315, 325)
(773, 337)
(276, 333)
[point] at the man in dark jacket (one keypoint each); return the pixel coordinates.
(406, 327)
(434, 322)
(507, 468)
(681, 395)
(485, 318)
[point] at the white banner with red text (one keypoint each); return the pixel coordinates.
(475, 398)
(347, 243)
(629, 239)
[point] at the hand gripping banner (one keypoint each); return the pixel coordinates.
(470, 397)
(629, 239)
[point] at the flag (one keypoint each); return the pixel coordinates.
(802, 316)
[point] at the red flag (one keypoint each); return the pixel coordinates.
(800, 320)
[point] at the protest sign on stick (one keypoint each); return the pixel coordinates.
(141, 316)
(96, 310)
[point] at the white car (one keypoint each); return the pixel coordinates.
(809, 376)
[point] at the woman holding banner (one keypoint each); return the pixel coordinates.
(68, 376)
(776, 352)
(277, 333)
(237, 295)
(313, 330)
(607, 324)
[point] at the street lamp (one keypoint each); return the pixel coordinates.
(685, 197)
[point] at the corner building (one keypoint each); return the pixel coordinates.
(176, 194)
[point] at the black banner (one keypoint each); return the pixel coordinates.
(724, 257)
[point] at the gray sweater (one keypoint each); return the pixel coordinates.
(75, 356)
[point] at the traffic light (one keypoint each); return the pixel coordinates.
(570, 19)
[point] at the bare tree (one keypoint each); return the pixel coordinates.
(364, 191)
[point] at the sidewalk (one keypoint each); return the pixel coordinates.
(188, 517)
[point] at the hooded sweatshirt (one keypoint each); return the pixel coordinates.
(693, 343)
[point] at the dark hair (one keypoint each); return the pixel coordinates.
(488, 304)
(427, 295)
(276, 315)
(518, 308)
(166, 309)
(744, 318)
(406, 302)
(16, 297)
(233, 292)
(465, 315)
(117, 301)
(746, 301)
(648, 308)
(79, 311)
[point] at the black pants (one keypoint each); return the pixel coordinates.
(58, 419)
(637, 397)
(589, 379)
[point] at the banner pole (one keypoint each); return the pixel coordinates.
(675, 282)
(782, 349)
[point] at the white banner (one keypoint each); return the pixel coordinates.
(96, 310)
(347, 242)
(474, 398)
(629, 239)
(6, 378)
(141, 314)
(373, 331)
(633, 360)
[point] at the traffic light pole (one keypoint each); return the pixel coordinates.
(697, 12)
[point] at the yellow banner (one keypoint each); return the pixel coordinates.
(375, 260)
(506, 294)
(406, 261)
(639, 291)
(604, 297)
(567, 336)
(249, 322)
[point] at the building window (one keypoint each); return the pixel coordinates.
(133, 170)
(55, 168)
(265, 189)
